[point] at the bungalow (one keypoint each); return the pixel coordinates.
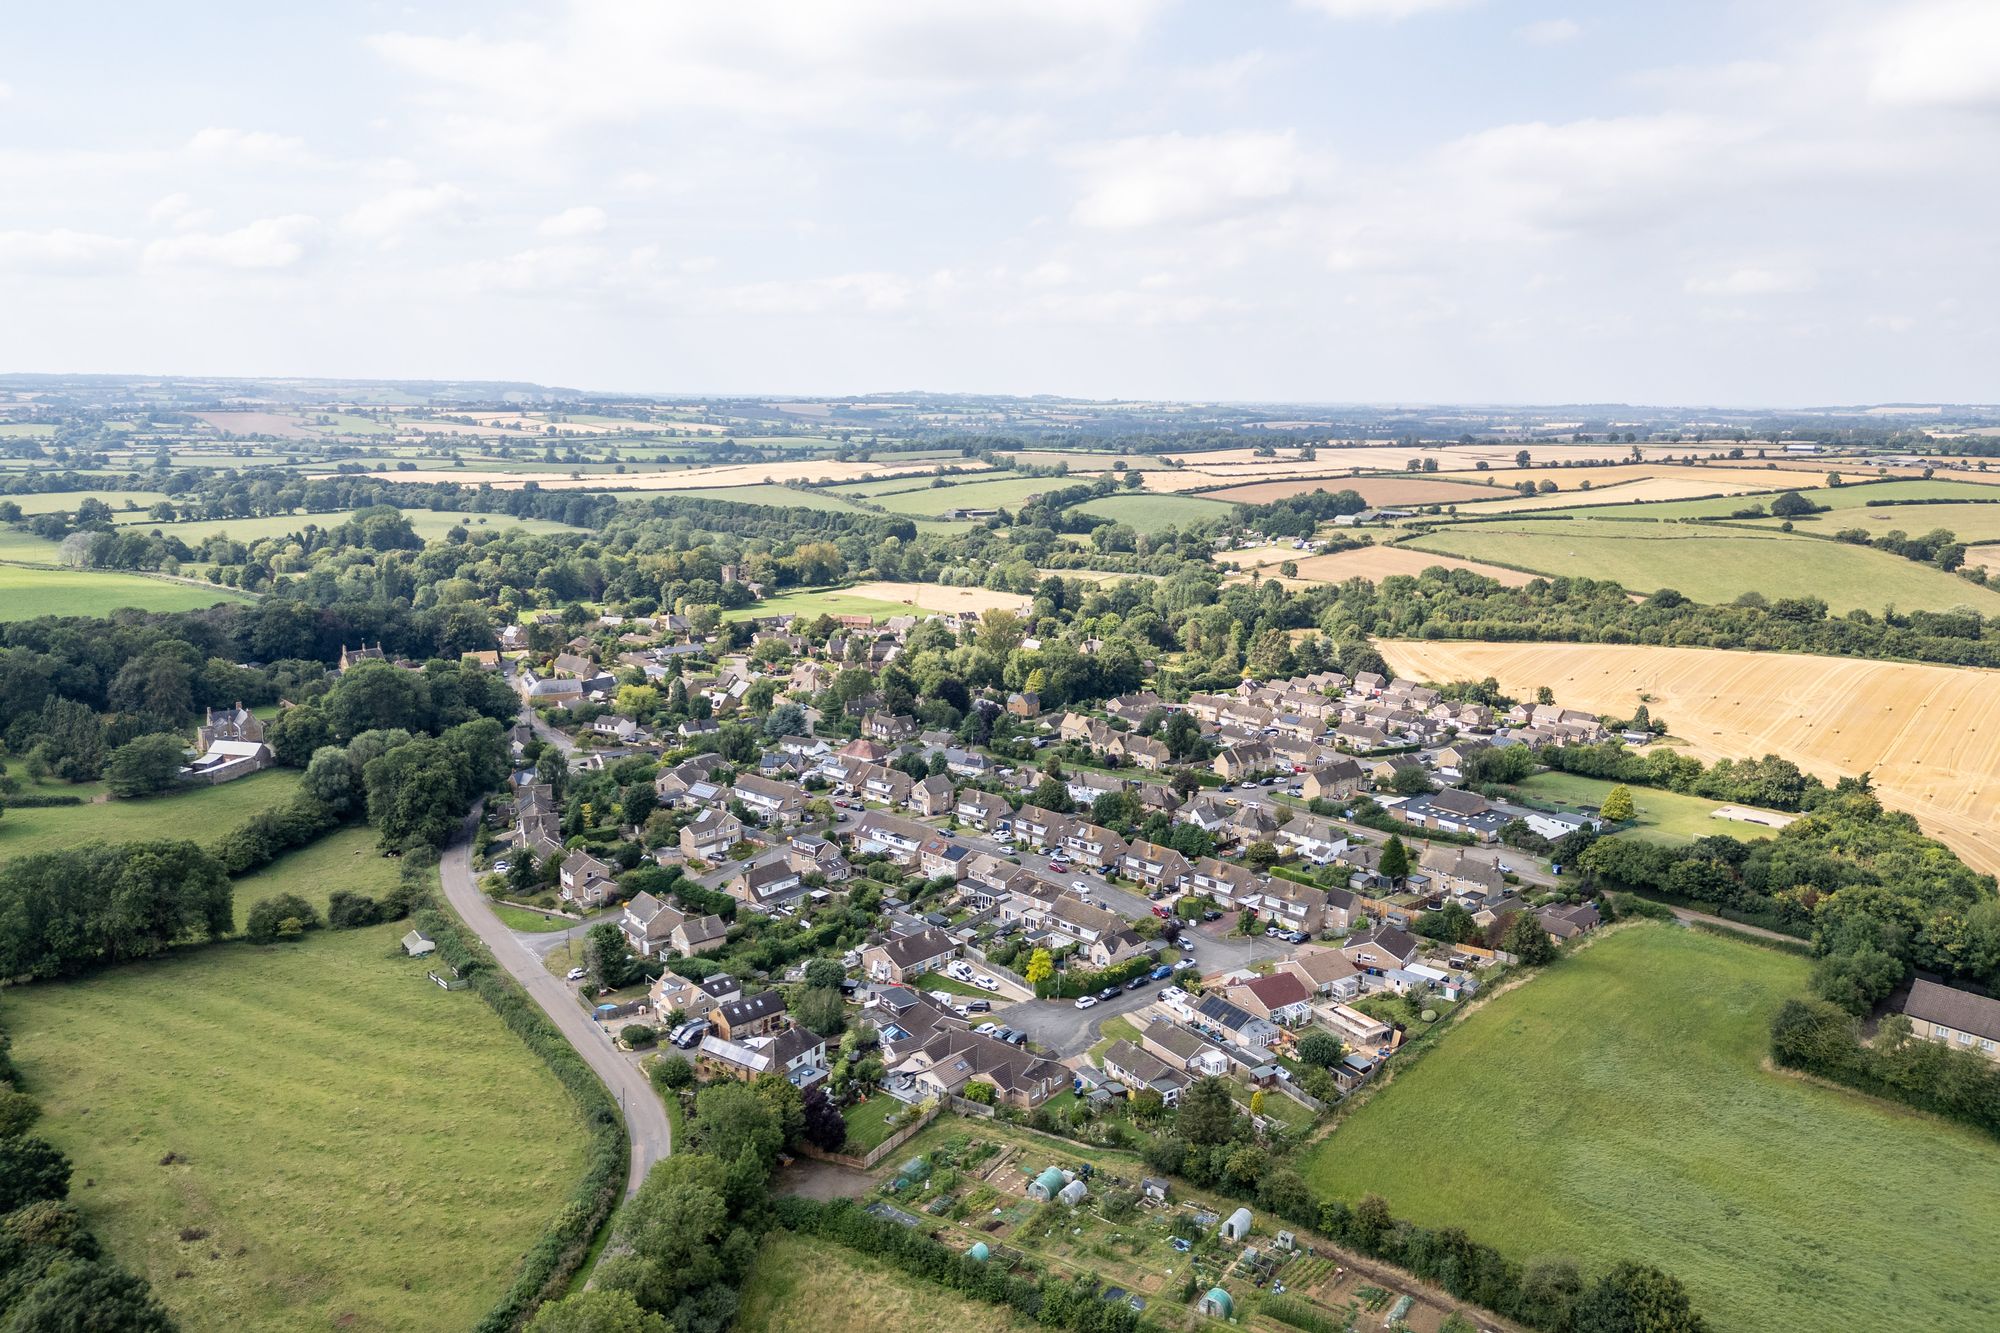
(1566, 923)
(967, 763)
(710, 835)
(933, 796)
(1137, 1068)
(749, 1017)
(1280, 997)
(1354, 1028)
(1155, 866)
(1954, 1018)
(1117, 947)
(1381, 948)
(1324, 972)
(1232, 1022)
(1453, 810)
(983, 810)
(1183, 1048)
(904, 957)
(586, 880)
(953, 1059)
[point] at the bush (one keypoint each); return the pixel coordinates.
(350, 911)
(287, 916)
(638, 1036)
(672, 1073)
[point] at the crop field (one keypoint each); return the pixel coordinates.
(556, 476)
(1930, 735)
(1377, 491)
(202, 813)
(353, 1147)
(26, 593)
(1711, 565)
(1147, 512)
(804, 1285)
(1617, 1107)
(1388, 456)
(344, 859)
(1085, 460)
(1610, 499)
(941, 596)
(1668, 817)
(1366, 562)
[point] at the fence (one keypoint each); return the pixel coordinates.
(880, 1150)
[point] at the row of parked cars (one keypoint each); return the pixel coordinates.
(1140, 982)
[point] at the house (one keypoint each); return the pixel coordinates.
(1955, 1018)
(1137, 1068)
(699, 934)
(1024, 703)
(1095, 845)
(585, 880)
(1240, 761)
(889, 728)
(1080, 920)
(1222, 880)
(1115, 948)
(648, 924)
(1324, 972)
(710, 835)
(749, 1017)
(675, 994)
(1354, 1028)
(810, 854)
(1155, 866)
(983, 810)
(1232, 1022)
(1332, 782)
(933, 796)
(763, 883)
(773, 802)
(799, 1055)
(954, 1058)
(1281, 997)
(1183, 1048)
(903, 957)
(1133, 708)
(353, 657)
(941, 855)
(1568, 922)
(1473, 878)
(1144, 751)
(1318, 840)
(1207, 813)
(1038, 827)
(1453, 810)
(889, 835)
(1085, 787)
(1381, 948)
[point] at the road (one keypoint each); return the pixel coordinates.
(645, 1118)
(1068, 1030)
(546, 733)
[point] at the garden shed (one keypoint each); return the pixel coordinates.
(417, 944)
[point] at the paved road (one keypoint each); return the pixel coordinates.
(1068, 1030)
(645, 1118)
(546, 733)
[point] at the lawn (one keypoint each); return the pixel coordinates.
(1711, 564)
(202, 813)
(802, 1284)
(813, 602)
(1617, 1106)
(1147, 511)
(364, 1150)
(520, 918)
(868, 1123)
(1664, 816)
(26, 593)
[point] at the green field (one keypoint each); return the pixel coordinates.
(202, 813)
(1001, 493)
(1149, 512)
(1851, 496)
(1968, 522)
(18, 429)
(1617, 1107)
(429, 524)
(344, 859)
(802, 1284)
(1664, 816)
(29, 592)
(821, 601)
(1710, 564)
(365, 1150)
(782, 497)
(51, 502)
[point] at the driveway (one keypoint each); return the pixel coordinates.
(645, 1118)
(1068, 1030)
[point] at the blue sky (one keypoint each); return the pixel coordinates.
(1762, 202)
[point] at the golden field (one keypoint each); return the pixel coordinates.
(687, 479)
(1365, 562)
(1930, 735)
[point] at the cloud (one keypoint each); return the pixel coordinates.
(268, 243)
(1945, 55)
(246, 145)
(63, 249)
(582, 220)
(178, 210)
(1550, 32)
(1752, 282)
(874, 293)
(387, 217)
(1393, 11)
(1179, 178)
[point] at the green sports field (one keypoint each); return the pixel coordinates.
(204, 814)
(1618, 1106)
(354, 1147)
(1147, 511)
(1668, 817)
(1710, 564)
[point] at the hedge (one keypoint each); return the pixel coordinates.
(545, 1271)
(43, 802)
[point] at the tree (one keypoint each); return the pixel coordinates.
(825, 1126)
(1041, 967)
(1395, 862)
(670, 1238)
(1527, 941)
(285, 916)
(607, 956)
(825, 972)
(1207, 1113)
(597, 1311)
(1857, 981)
(1451, 924)
(89, 1296)
(1320, 1049)
(1618, 806)
(146, 766)
(330, 778)
(731, 1118)
(672, 1073)
(31, 1170)
(1636, 1298)
(1790, 504)
(819, 1010)
(1410, 780)
(297, 734)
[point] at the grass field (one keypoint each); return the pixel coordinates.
(428, 524)
(1930, 735)
(50, 502)
(924, 499)
(1663, 816)
(26, 593)
(1149, 512)
(782, 497)
(344, 859)
(364, 1150)
(1363, 562)
(1852, 496)
(804, 1285)
(1711, 565)
(202, 813)
(1378, 491)
(880, 599)
(816, 602)
(1616, 1107)
(1968, 522)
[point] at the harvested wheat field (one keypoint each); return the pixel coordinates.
(1364, 562)
(943, 597)
(1631, 492)
(1930, 735)
(688, 479)
(1378, 491)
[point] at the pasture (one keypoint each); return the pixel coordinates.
(347, 859)
(780, 497)
(1147, 511)
(353, 1147)
(1363, 562)
(1378, 491)
(556, 476)
(1711, 564)
(29, 592)
(202, 813)
(1668, 817)
(801, 1284)
(431, 525)
(919, 498)
(1930, 735)
(65, 502)
(1854, 495)
(1968, 522)
(1617, 1107)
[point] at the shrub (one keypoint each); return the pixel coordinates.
(638, 1036)
(286, 916)
(350, 911)
(672, 1072)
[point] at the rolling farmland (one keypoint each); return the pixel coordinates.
(29, 592)
(1150, 513)
(1930, 735)
(1365, 562)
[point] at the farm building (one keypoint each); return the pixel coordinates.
(417, 944)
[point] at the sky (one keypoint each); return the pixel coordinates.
(1758, 203)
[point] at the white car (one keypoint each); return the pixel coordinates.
(986, 983)
(574, 974)
(1086, 1002)
(1082, 886)
(502, 866)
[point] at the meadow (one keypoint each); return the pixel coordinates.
(352, 1147)
(1711, 564)
(51, 502)
(812, 602)
(1617, 1106)
(202, 813)
(1929, 735)
(347, 858)
(924, 499)
(429, 524)
(1147, 511)
(1854, 495)
(1968, 522)
(29, 592)
(805, 1285)
(1669, 817)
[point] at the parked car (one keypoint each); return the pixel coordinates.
(502, 866)
(979, 1007)
(1081, 886)
(1160, 911)
(1271, 932)
(987, 1029)
(574, 974)
(1161, 973)
(1086, 1001)
(1109, 993)
(1138, 982)
(1210, 914)
(1013, 1037)
(986, 983)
